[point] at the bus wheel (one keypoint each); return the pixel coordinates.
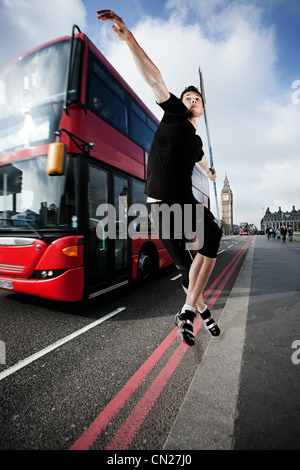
(147, 264)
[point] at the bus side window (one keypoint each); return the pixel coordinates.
(142, 129)
(106, 98)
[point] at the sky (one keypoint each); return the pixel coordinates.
(249, 53)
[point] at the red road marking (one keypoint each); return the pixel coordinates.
(126, 433)
(213, 285)
(128, 430)
(223, 283)
(87, 439)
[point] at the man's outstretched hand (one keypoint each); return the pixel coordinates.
(119, 26)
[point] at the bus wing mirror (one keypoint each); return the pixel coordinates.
(56, 159)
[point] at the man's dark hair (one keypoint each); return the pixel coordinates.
(191, 88)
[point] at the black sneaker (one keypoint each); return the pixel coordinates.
(184, 321)
(209, 323)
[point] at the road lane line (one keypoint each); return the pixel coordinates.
(219, 278)
(87, 439)
(57, 344)
(221, 286)
(219, 371)
(128, 430)
(91, 434)
(126, 433)
(176, 277)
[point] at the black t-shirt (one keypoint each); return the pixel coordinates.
(174, 151)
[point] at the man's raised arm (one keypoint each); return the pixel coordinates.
(146, 67)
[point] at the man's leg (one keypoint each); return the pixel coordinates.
(200, 272)
(199, 275)
(204, 268)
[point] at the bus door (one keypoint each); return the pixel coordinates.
(107, 247)
(120, 241)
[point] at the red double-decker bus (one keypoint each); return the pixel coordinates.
(73, 136)
(243, 228)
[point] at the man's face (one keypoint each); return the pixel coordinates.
(98, 103)
(193, 102)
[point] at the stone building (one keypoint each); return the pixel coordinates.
(280, 218)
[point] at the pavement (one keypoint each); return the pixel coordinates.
(246, 392)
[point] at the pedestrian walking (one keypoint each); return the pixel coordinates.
(290, 232)
(283, 233)
(278, 234)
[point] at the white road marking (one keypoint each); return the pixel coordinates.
(56, 345)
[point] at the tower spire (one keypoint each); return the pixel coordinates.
(227, 207)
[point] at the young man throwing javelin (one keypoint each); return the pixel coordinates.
(174, 151)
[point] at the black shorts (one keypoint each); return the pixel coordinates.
(177, 247)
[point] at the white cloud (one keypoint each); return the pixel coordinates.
(30, 23)
(253, 124)
(185, 8)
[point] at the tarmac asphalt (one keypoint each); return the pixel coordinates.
(246, 391)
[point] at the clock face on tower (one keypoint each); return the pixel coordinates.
(225, 197)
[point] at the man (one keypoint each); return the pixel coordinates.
(174, 151)
(290, 231)
(283, 233)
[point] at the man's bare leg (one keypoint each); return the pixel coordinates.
(199, 275)
(193, 276)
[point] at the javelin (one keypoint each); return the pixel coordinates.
(208, 140)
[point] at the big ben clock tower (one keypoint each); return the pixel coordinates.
(227, 205)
